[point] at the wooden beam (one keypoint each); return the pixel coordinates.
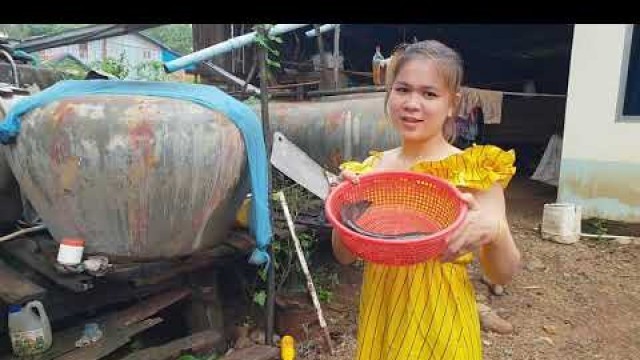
(64, 347)
(150, 306)
(256, 352)
(201, 341)
(16, 288)
(118, 329)
(111, 341)
(32, 252)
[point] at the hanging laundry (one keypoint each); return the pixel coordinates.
(490, 101)
(469, 130)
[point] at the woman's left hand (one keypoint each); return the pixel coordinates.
(478, 229)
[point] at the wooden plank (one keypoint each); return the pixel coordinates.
(120, 326)
(202, 341)
(31, 252)
(149, 307)
(256, 352)
(16, 288)
(111, 341)
(64, 347)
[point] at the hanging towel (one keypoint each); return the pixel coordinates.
(489, 101)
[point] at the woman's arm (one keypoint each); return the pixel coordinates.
(486, 231)
(500, 258)
(342, 254)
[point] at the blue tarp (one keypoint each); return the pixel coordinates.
(243, 117)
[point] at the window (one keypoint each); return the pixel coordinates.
(147, 54)
(629, 100)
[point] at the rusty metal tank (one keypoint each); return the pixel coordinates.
(10, 199)
(338, 128)
(333, 129)
(136, 176)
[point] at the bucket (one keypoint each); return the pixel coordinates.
(561, 223)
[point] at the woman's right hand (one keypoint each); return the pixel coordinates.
(345, 175)
(340, 251)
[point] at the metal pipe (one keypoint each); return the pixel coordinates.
(232, 77)
(224, 47)
(345, 91)
(14, 68)
(323, 28)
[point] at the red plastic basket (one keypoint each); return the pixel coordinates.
(401, 202)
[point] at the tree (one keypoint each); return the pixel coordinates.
(176, 36)
(23, 31)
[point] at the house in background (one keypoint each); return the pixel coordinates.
(600, 166)
(136, 48)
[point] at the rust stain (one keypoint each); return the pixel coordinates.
(218, 193)
(141, 144)
(142, 139)
(68, 172)
(138, 226)
(335, 158)
(62, 112)
(281, 111)
(333, 120)
(59, 149)
(59, 146)
(201, 216)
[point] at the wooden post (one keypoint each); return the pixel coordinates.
(305, 269)
(336, 53)
(264, 104)
(324, 82)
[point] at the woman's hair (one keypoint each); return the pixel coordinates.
(448, 63)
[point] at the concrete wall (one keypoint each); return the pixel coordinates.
(600, 167)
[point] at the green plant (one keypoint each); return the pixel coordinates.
(252, 100)
(68, 68)
(151, 71)
(260, 297)
(117, 67)
(268, 42)
(596, 225)
(213, 356)
(325, 295)
(288, 274)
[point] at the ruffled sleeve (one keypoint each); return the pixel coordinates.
(477, 167)
(362, 167)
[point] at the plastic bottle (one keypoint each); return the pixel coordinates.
(287, 348)
(30, 332)
(377, 67)
(70, 251)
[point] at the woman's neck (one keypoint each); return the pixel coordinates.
(431, 149)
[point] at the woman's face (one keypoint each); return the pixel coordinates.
(419, 100)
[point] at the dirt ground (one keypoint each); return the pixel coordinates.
(575, 301)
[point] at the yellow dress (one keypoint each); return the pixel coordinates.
(428, 310)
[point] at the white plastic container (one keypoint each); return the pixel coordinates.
(30, 331)
(70, 251)
(562, 223)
